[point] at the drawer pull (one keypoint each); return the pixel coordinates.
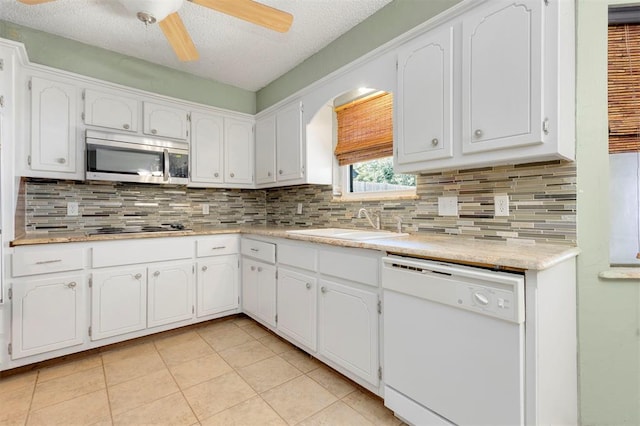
(156, 273)
(253, 268)
(308, 286)
(435, 142)
(137, 276)
(259, 268)
(125, 126)
(478, 133)
(44, 262)
(216, 174)
(232, 175)
(204, 268)
(154, 131)
(254, 249)
(218, 247)
(323, 289)
(72, 284)
(62, 160)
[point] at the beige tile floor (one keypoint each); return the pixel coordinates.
(225, 372)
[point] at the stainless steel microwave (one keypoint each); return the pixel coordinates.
(130, 158)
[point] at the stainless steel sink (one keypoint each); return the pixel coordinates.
(347, 234)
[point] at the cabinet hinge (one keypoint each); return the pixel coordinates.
(301, 107)
(379, 306)
(1, 64)
(83, 95)
(276, 318)
(29, 85)
(90, 282)
(82, 116)
(238, 300)
(28, 160)
(193, 309)
(193, 269)
(546, 2)
(276, 274)
(2, 101)
(238, 263)
(10, 294)
(10, 349)
(189, 118)
(89, 331)
(396, 65)
(379, 373)
(545, 126)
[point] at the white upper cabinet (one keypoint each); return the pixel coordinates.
(165, 121)
(54, 137)
(502, 59)
(289, 143)
(111, 111)
(423, 108)
(207, 148)
(238, 161)
(266, 150)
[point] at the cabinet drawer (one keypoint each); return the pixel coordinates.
(216, 246)
(146, 251)
(298, 256)
(354, 265)
(31, 262)
(259, 250)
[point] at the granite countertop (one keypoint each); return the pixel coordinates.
(507, 255)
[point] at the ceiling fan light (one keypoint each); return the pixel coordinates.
(150, 11)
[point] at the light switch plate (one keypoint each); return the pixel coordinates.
(448, 206)
(299, 210)
(72, 208)
(205, 209)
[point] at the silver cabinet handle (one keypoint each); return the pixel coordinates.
(308, 286)
(280, 172)
(259, 268)
(154, 131)
(435, 141)
(218, 247)
(72, 284)
(323, 289)
(44, 262)
(137, 276)
(478, 133)
(216, 174)
(156, 273)
(62, 160)
(253, 268)
(125, 126)
(204, 268)
(254, 249)
(232, 175)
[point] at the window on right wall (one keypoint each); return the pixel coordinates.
(364, 149)
(624, 142)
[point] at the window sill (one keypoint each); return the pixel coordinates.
(374, 196)
(621, 273)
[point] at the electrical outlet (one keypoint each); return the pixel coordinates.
(72, 208)
(299, 210)
(501, 205)
(448, 206)
(205, 209)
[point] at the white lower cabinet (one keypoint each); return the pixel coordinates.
(170, 293)
(348, 328)
(297, 301)
(259, 290)
(118, 302)
(217, 285)
(47, 314)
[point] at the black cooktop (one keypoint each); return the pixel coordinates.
(137, 229)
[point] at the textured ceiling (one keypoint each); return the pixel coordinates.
(232, 51)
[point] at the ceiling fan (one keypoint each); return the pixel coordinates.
(165, 13)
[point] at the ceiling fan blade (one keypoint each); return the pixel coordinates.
(253, 12)
(34, 2)
(178, 37)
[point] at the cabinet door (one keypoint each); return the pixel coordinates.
(348, 328)
(249, 286)
(296, 302)
(47, 314)
(170, 294)
(238, 145)
(502, 75)
(289, 143)
(112, 111)
(165, 121)
(53, 126)
(266, 150)
(259, 290)
(217, 288)
(424, 113)
(118, 302)
(207, 147)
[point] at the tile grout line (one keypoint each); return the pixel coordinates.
(106, 385)
(33, 394)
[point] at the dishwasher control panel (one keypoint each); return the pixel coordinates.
(486, 299)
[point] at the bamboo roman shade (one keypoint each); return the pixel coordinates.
(365, 129)
(624, 88)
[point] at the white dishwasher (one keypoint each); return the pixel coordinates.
(453, 343)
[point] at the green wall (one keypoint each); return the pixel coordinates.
(608, 310)
(389, 22)
(70, 55)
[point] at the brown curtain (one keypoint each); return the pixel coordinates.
(624, 88)
(365, 129)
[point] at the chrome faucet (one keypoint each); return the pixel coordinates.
(368, 215)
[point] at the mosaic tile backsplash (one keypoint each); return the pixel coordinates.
(542, 205)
